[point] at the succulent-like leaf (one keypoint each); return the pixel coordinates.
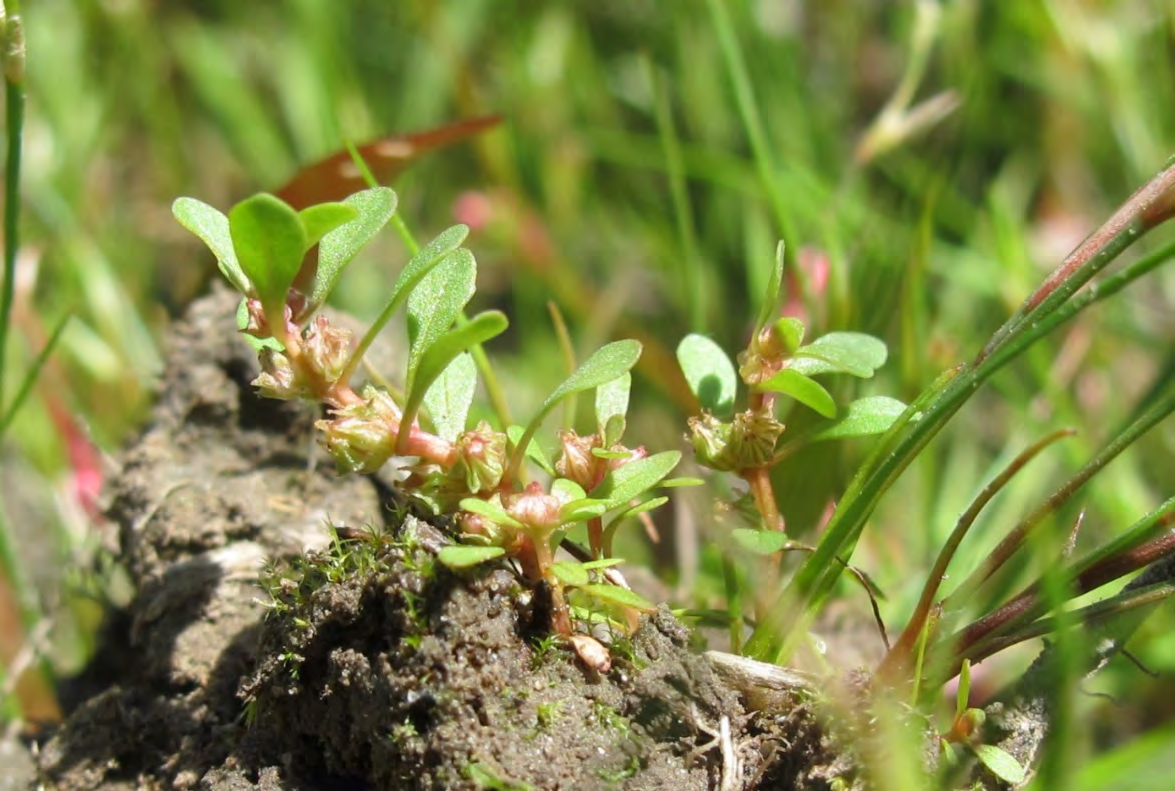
(571, 574)
(373, 208)
(852, 353)
(1000, 763)
(436, 303)
(318, 221)
(710, 373)
(491, 511)
(612, 402)
(626, 482)
(861, 418)
(437, 357)
(459, 556)
(451, 395)
(617, 595)
(212, 227)
(269, 242)
(808, 392)
(790, 332)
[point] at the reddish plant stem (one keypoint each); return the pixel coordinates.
(1030, 603)
(896, 664)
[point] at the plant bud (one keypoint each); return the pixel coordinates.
(327, 349)
(711, 440)
(481, 457)
(576, 461)
(748, 441)
(279, 379)
(534, 508)
(362, 437)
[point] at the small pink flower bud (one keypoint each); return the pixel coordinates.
(534, 508)
(634, 454)
(481, 457)
(576, 461)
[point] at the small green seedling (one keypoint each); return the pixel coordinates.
(285, 264)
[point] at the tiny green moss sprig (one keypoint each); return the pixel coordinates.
(266, 250)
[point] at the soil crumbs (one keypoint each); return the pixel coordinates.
(364, 663)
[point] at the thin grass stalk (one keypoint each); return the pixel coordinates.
(779, 633)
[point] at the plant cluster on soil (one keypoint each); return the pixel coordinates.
(372, 665)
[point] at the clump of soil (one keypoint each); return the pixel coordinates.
(369, 666)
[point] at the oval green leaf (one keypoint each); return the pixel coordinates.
(617, 595)
(852, 353)
(269, 242)
(572, 575)
(463, 557)
(373, 208)
(634, 478)
(450, 396)
(710, 373)
(1000, 763)
(436, 303)
(436, 359)
(212, 228)
(861, 418)
(808, 392)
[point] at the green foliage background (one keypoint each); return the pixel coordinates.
(622, 184)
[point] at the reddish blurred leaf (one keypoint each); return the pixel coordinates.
(336, 177)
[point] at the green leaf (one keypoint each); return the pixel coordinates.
(533, 451)
(710, 373)
(270, 242)
(791, 333)
(608, 363)
(373, 208)
(491, 511)
(601, 563)
(436, 359)
(861, 418)
(436, 303)
(567, 490)
(1000, 763)
(774, 294)
(678, 483)
(759, 542)
(617, 595)
(212, 228)
(463, 557)
(318, 221)
(451, 395)
(572, 575)
(852, 353)
(613, 430)
(581, 510)
(807, 391)
(626, 482)
(612, 401)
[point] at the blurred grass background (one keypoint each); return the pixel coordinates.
(626, 185)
